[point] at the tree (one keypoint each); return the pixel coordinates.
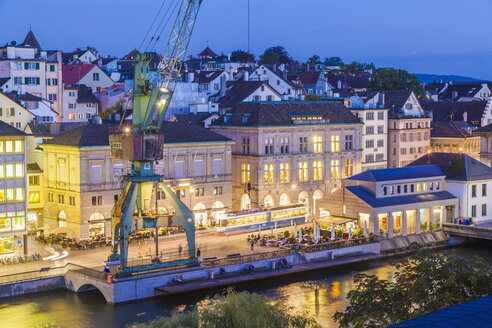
(242, 56)
(275, 55)
(315, 59)
(235, 309)
(393, 79)
(333, 61)
(423, 283)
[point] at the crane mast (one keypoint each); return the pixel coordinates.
(143, 144)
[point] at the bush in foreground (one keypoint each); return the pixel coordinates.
(423, 283)
(235, 309)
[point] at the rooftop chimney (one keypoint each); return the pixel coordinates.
(246, 75)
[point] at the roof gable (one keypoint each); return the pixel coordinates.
(6, 130)
(72, 74)
(31, 41)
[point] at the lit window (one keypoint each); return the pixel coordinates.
(19, 194)
(10, 195)
(19, 146)
(2, 171)
(335, 143)
(19, 170)
(245, 173)
(303, 171)
(284, 172)
(318, 144)
(318, 170)
(9, 147)
(419, 187)
(349, 167)
(9, 170)
(2, 195)
(34, 197)
(335, 168)
(18, 223)
(269, 173)
(5, 224)
(1, 146)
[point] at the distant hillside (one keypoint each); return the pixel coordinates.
(429, 78)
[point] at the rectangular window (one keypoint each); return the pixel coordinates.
(385, 191)
(9, 147)
(335, 143)
(94, 200)
(369, 130)
(474, 191)
(269, 173)
(369, 158)
(218, 190)
(269, 146)
(484, 209)
(19, 170)
(369, 143)
(34, 197)
(95, 76)
(474, 211)
(380, 116)
(198, 167)
(245, 173)
(61, 199)
(284, 172)
(99, 200)
(72, 200)
(245, 146)
(318, 170)
(349, 167)
(50, 197)
(412, 188)
(348, 142)
(303, 172)
(380, 129)
(303, 144)
(19, 146)
(380, 143)
(405, 189)
(179, 170)
(96, 174)
(284, 145)
(335, 168)
(52, 68)
(9, 170)
(318, 144)
(484, 189)
(217, 166)
(34, 180)
(370, 116)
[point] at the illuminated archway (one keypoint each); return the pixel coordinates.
(318, 194)
(284, 200)
(268, 201)
(304, 197)
(200, 212)
(245, 202)
(218, 210)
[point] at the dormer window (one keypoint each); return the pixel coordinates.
(385, 191)
(409, 106)
(245, 119)
(437, 185)
(412, 188)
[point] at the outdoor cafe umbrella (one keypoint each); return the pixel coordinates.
(300, 235)
(333, 231)
(365, 228)
(316, 231)
(295, 227)
(350, 233)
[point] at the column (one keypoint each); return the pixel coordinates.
(417, 221)
(374, 225)
(404, 223)
(429, 212)
(390, 224)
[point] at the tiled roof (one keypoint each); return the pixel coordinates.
(240, 91)
(309, 78)
(459, 90)
(7, 130)
(4, 80)
(396, 99)
(364, 195)
(52, 129)
(474, 313)
(192, 118)
(280, 113)
(33, 168)
(453, 110)
(85, 95)
(452, 129)
(456, 166)
(207, 76)
(90, 135)
(182, 132)
(29, 97)
(484, 129)
(399, 173)
(31, 41)
(72, 74)
(207, 52)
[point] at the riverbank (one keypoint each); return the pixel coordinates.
(220, 273)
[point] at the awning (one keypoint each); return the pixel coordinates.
(334, 219)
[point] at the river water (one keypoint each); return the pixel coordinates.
(321, 293)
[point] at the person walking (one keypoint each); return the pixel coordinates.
(252, 245)
(198, 254)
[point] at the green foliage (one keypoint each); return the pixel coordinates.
(275, 55)
(393, 79)
(286, 234)
(312, 98)
(333, 61)
(235, 310)
(423, 283)
(242, 56)
(315, 59)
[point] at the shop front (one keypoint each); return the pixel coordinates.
(96, 225)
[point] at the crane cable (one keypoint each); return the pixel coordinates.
(171, 14)
(158, 32)
(151, 25)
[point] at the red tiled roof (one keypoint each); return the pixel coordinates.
(309, 78)
(74, 73)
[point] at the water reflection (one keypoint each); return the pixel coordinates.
(320, 293)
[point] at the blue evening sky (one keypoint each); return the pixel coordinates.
(422, 36)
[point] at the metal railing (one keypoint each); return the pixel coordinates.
(211, 263)
(337, 244)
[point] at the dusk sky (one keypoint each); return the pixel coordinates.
(422, 36)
